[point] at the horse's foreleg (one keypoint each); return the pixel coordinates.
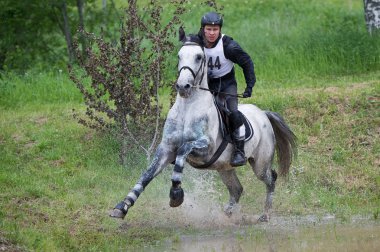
(176, 192)
(160, 160)
(235, 189)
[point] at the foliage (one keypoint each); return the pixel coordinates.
(125, 78)
(26, 33)
(32, 34)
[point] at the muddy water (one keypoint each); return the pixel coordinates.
(283, 234)
(212, 230)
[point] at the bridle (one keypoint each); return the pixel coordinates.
(195, 74)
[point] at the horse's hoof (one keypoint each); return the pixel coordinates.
(120, 211)
(228, 210)
(176, 196)
(231, 208)
(116, 213)
(264, 218)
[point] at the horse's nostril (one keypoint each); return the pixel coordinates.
(176, 86)
(187, 86)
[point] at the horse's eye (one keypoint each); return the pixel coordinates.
(199, 57)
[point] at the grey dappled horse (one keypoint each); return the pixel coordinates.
(192, 134)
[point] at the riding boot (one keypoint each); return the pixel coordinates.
(238, 156)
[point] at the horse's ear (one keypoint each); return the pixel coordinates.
(182, 35)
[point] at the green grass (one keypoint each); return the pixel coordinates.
(59, 179)
(37, 88)
(291, 40)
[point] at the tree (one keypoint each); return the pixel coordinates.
(372, 15)
(35, 31)
(27, 32)
(120, 82)
(62, 6)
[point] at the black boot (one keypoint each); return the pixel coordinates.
(238, 157)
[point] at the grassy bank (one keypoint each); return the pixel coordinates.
(290, 40)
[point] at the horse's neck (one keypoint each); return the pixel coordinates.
(200, 99)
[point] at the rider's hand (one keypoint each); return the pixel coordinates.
(247, 93)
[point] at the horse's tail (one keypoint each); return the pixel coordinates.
(286, 141)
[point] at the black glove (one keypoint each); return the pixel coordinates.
(247, 93)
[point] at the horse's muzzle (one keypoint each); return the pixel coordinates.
(183, 90)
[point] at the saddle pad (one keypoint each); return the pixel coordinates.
(223, 127)
(248, 129)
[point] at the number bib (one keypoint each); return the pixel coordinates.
(217, 63)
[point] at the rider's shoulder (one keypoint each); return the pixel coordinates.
(227, 39)
(230, 44)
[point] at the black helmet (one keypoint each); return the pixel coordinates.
(212, 18)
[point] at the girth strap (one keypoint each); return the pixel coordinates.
(217, 154)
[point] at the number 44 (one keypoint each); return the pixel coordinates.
(211, 64)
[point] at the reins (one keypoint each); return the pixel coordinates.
(218, 92)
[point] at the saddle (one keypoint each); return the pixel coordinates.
(224, 128)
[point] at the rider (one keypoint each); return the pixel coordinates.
(222, 52)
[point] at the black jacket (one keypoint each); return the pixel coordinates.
(237, 55)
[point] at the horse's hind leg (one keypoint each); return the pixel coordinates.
(235, 189)
(265, 173)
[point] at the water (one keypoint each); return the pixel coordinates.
(283, 234)
(212, 230)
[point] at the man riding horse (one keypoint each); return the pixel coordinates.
(222, 52)
(193, 136)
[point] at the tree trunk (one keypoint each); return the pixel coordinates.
(81, 26)
(104, 10)
(372, 15)
(67, 31)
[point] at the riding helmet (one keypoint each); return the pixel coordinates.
(212, 18)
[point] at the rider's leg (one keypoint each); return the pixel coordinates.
(236, 123)
(237, 128)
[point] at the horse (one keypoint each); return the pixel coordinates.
(192, 134)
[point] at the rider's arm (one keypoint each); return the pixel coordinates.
(236, 54)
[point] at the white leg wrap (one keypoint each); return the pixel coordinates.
(132, 195)
(138, 187)
(177, 176)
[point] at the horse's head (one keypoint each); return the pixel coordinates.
(191, 65)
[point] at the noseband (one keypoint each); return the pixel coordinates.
(191, 70)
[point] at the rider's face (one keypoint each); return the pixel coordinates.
(211, 33)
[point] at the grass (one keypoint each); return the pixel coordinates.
(59, 179)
